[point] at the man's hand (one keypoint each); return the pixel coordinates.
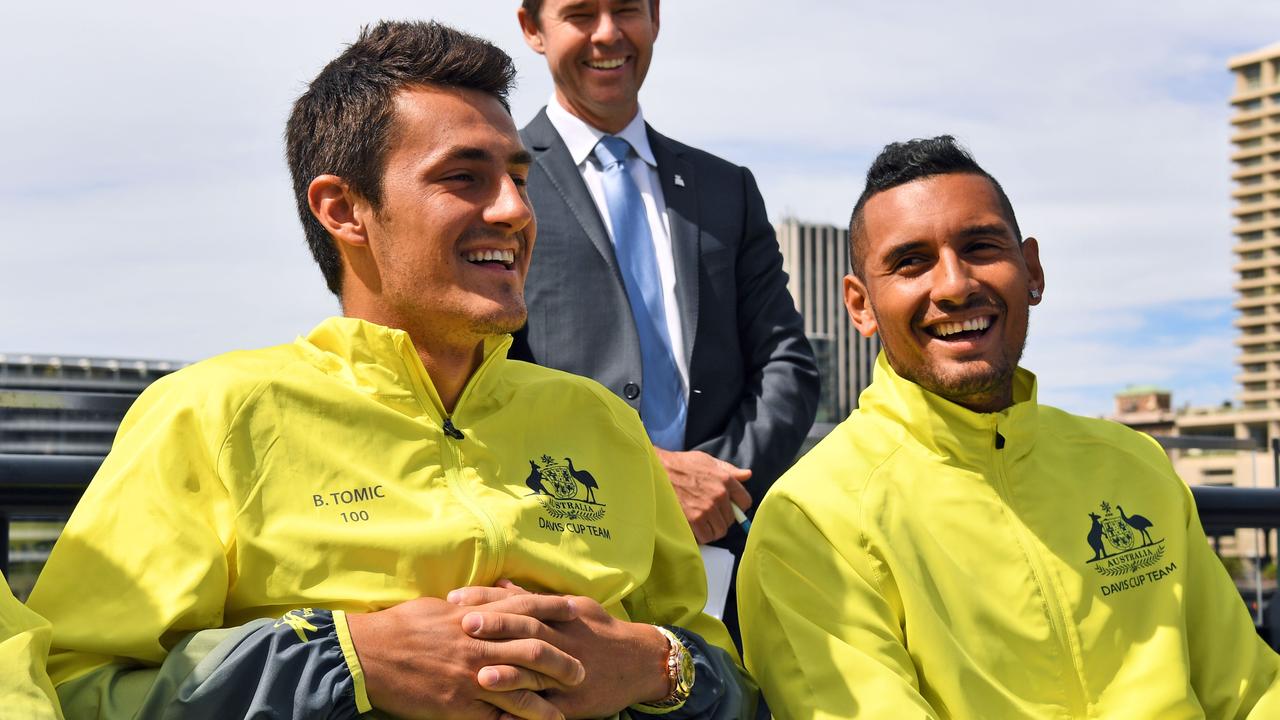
(707, 488)
(625, 662)
(422, 658)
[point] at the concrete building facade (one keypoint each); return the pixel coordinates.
(1255, 155)
(816, 258)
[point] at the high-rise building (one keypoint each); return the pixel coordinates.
(816, 258)
(1255, 154)
(1255, 138)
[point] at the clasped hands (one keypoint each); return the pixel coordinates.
(496, 653)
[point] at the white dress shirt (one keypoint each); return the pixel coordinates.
(581, 140)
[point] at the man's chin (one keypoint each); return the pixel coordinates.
(961, 383)
(501, 323)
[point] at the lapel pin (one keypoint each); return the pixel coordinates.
(679, 181)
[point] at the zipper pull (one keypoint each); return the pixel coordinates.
(999, 441)
(450, 430)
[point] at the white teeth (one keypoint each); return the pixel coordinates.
(606, 64)
(951, 328)
(505, 257)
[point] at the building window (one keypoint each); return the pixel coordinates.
(1252, 75)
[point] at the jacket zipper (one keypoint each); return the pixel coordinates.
(1059, 623)
(453, 471)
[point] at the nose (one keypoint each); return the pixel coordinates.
(606, 31)
(953, 281)
(509, 208)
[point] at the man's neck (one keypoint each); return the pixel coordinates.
(612, 122)
(449, 361)
(449, 368)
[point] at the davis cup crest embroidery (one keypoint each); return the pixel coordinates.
(1123, 546)
(566, 492)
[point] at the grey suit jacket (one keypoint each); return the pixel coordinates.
(752, 377)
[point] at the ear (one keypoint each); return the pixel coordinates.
(1035, 272)
(532, 34)
(858, 303)
(654, 12)
(339, 210)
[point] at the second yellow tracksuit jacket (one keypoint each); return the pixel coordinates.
(925, 561)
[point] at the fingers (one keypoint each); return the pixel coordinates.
(559, 668)
(477, 595)
(713, 524)
(506, 678)
(547, 608)
(739, 496)
(733, 471)
(523, 705)
(501, 626)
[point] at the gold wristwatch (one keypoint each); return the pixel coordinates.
(679, 671)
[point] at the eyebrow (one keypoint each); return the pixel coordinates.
(893, 256)
(986, 230)
(475, 154)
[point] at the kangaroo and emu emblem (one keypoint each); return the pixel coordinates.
(1122, 543)
(558, 487)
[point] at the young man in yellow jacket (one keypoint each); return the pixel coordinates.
(388, 514)
(954, 549)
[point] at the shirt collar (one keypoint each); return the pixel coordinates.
(581, 138)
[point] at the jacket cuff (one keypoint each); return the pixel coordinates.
(353, 662)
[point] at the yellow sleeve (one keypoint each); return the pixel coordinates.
(820, 635)
(25, 690)
(1233, 672)
(676, 590)
(143, 560)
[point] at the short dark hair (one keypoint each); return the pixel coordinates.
(534, 7)
(903, 162)
(342, 125)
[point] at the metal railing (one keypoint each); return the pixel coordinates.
(48, 484)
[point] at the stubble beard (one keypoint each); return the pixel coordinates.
(972, 384)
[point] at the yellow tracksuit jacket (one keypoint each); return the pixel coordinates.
(924, 561)
(325, 474)
(25, 691)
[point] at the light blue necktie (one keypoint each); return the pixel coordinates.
(662, 402)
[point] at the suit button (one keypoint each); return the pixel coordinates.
(631, 391)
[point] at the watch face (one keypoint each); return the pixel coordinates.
(681, 671)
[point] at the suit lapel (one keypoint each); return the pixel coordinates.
(550, 153)
(682, 215)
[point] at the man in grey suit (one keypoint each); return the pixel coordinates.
(658, 273)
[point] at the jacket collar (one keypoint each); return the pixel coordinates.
(382, 362)
(957, 435)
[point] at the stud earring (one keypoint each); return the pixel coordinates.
(1035, 294)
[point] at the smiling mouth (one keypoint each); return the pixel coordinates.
(968, 329)
(606, 64)
(503, 258)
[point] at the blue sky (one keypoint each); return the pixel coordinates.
(148, 210)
